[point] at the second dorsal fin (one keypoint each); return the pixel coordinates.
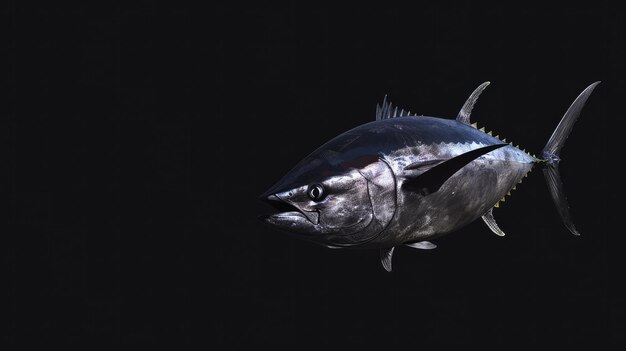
(466, 110)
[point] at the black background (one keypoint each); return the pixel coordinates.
(140, 135)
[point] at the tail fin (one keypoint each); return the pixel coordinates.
(550, 156)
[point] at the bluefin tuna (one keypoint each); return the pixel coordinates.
(407, 179)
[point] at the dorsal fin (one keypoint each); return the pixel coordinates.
(387, 110)
(466, 110)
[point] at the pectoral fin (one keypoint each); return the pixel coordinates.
(423, 245)
(491, 223)
(433, 178)
(385, 258)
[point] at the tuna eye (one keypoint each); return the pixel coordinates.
(316, 192)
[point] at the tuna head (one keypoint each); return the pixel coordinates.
(334, 198)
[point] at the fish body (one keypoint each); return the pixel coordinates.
(406, 179)
(465, 196)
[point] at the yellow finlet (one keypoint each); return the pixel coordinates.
(517, 146)
(514, 187)
(497, 137)
(490, 133)
(504, 140)
(482, 129)
(497, 204)
(475, 124)
(509, 193)
(503, 199)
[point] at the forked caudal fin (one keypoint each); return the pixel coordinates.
(550, 156)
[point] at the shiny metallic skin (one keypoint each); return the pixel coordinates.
(404, 179)
(363, 172)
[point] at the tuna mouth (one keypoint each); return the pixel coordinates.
(286, 211)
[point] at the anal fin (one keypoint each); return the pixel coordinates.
(491, 223)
